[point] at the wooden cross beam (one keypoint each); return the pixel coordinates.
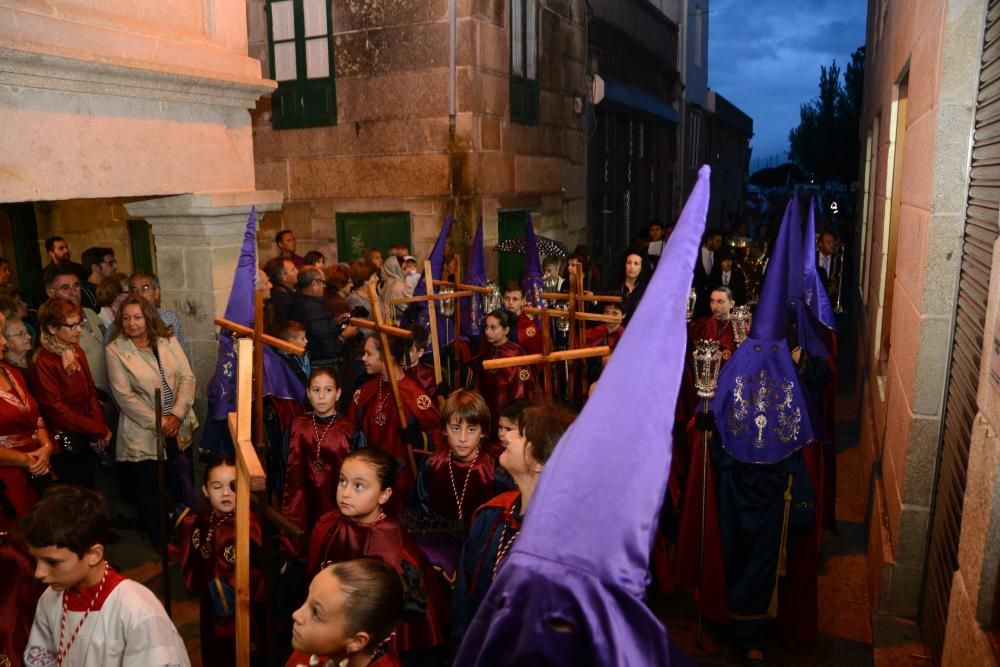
(384, 331)
(547, 358)
(429, 298)
(249, 478)
(257, 334)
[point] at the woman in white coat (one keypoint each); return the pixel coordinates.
(144, 356)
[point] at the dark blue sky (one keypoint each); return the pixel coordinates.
(764, 57)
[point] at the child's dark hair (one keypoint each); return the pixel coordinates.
(68, 517)
(328, 371)
(513, 410)
(219, 462)
(386, 466)
(290, 328)
(466, 405)
(501, 316)
(542, 426)
(374, 594)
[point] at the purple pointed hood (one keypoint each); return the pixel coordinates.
(475, 274)
(814, 292)
(571, 591)
(417, 312)
(761, 408)
(532, 281)
(279, 380)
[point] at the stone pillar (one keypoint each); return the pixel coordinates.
(198, 238)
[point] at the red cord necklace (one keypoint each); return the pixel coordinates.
(63, 652)
(460, 500)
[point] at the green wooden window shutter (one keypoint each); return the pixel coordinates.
(524, 61)
(358, 231)
(140, 236)
(300, 43)
(511, 225)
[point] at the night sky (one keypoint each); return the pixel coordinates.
(764, 56)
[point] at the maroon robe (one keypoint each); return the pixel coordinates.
(310, 489)
(529, 334)
(598, 335)
(424, 375)
(364, 415)
(218, 634)
(721, 331)
(500, 386)
(19, 591)
(387, 659)
(434, 485)
(337, 538)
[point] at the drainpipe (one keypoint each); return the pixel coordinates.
(451, 66)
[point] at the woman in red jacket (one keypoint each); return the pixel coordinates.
(60, 380)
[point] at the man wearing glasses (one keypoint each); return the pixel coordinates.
(326, 340)
(62, 282)
(98, 263)
(147, 285)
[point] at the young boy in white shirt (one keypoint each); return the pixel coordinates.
(90, 615)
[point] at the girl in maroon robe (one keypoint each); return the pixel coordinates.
(208, 562)
(374, 414)
(317, 444)
(349, 617)
(503, 385)
(360, 528)
(24, 450)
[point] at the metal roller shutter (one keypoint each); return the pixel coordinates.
(970, 319)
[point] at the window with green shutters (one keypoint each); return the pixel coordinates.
(300, 39)
(524, 61)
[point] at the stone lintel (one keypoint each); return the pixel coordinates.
(49, 71)
(208, 214)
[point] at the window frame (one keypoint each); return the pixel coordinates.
(524, 90)
(302, 102)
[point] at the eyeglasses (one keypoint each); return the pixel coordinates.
(136, 289)
(73, 325)
(69, 288)
(19, 334)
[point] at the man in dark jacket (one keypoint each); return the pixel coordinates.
(326, 340)
(283, 276)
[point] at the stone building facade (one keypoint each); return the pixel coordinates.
(104, 106)
(927, 306)
(471, 108)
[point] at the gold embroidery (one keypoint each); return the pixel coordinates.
(530, 332)
(229, 553)
(424, 402)
(5, 661)
(524, 375)
(357, 395)
(196, 538)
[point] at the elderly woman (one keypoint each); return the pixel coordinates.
(25, 448)
(61, 381)
(393, 287)
(144, 355)
(19, 343)
(362, 273)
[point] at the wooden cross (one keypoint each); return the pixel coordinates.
(577, 306)
(429, 298)
(250, 477)
(250, 388)
(459, 286)
(384, 330)
(546, 315)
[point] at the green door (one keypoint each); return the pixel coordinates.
(511, 225)
(27, 255)
(358, 231)
(141, 241)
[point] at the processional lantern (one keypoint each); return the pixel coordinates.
(707, 361)
(692, 299)
(740, 318)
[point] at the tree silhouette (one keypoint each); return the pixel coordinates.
(826, 141)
